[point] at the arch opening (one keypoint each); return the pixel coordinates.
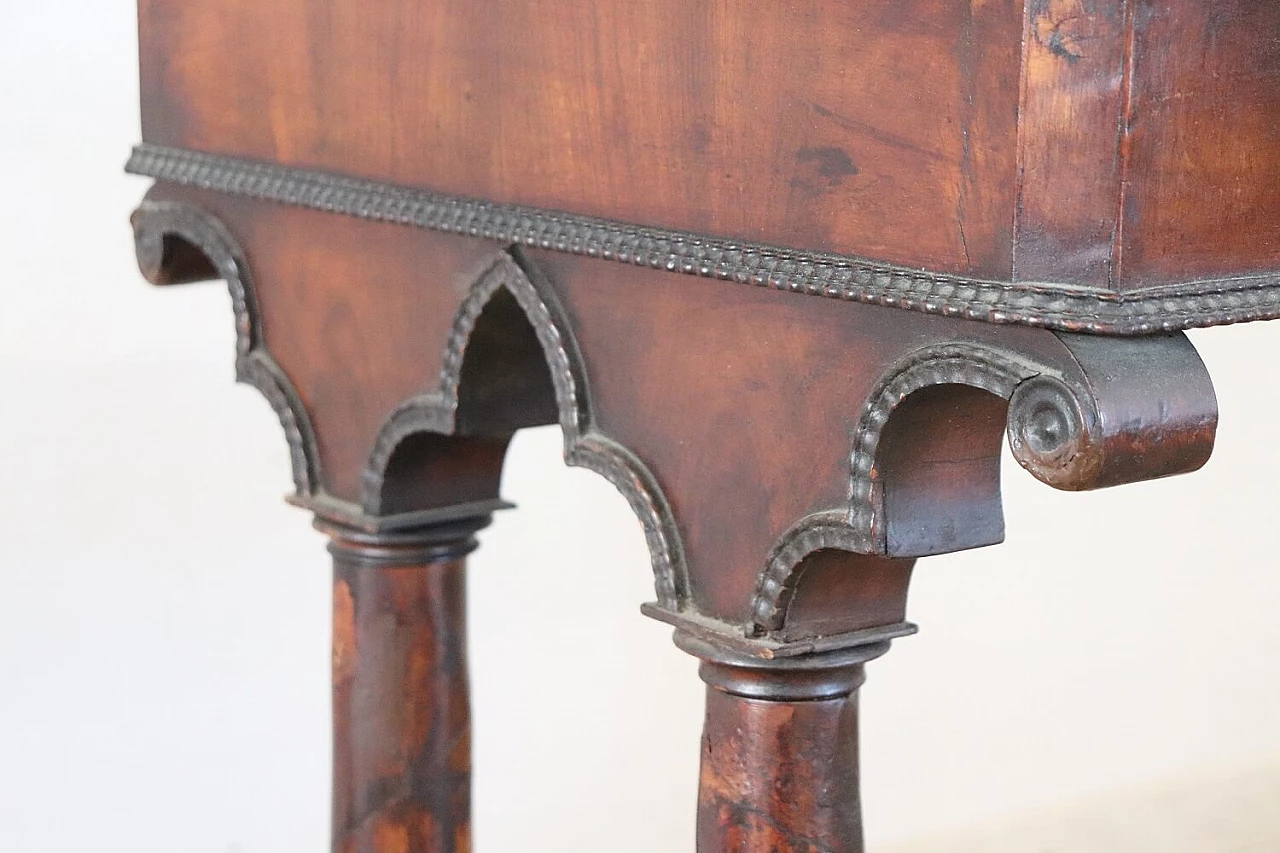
(429, 470)
(937, 471)
(504, 383)
(183, 262)
(511, 363)
(839, 592)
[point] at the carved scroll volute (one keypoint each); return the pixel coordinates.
(1140, 409)
(1108, 411)
(923, 472)
(926, 460)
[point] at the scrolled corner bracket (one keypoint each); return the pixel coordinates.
(860, 527)
(178, 243)
(1053, 433)
(1102, 412)
(996, 371)
(1136, 409)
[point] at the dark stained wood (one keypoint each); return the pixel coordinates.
(429, 470)
(1202, 191)
(1070, 165)
(788, 457)
(401, 702)
(355, 316)
(837, 592)
(743, 378)
(359, 318)
(780, 753)
(885, 128)
(786, 461)
(779, 776)
(941, 461)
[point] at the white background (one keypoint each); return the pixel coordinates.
(164, 616)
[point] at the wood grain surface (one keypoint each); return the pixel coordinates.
(1117, 144)
(401, 702)
(884, 128)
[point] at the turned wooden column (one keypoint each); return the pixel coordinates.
(780, 750)
(401, 702)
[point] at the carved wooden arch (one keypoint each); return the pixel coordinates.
(1061, 425)
(437, 412)
(177, 243)
(1071, 419)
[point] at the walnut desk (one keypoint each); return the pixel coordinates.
(785, 273)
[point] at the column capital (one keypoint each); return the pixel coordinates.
(818, 675)
(415, 546)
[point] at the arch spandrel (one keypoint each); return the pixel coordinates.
(736, 491)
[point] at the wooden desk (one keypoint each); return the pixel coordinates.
(785, 274)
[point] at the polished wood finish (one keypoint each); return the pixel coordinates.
(780, 529)
(780, 752)
(1118, 145)
(730, 359)
(401, 702)
(779, 775)
(442, 223)
(1148, 142)
(770, 122)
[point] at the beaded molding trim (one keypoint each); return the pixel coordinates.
(436, 411)
(154, 224)
(860, 528)
(1064, 307)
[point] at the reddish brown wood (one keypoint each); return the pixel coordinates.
(1116, 144)
(789, 454)
(1074, 89)
(1202, 186)
(780, 753)
(401, 704)
(773, 122)
(769, 386)
(779, 776)
(354, 316)
(835, 591)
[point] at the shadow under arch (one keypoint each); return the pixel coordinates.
(510, 362)
(924, 475)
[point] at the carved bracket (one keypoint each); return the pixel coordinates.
(179, 243)
(925, 404)
(1112, 411)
